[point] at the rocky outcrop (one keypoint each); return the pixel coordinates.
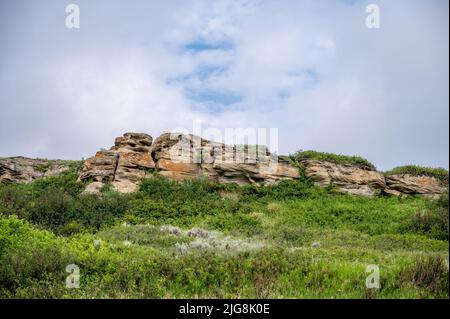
(23, 170)
(185, 157)
(182, 157)
(124, 165)
(399, 184)
(351, 179)
(135, 156)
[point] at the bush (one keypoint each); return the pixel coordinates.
(50, 209)
(162, 188)
(439, 173)
(13, 200)
(283, 190)
(67, 182)
(56, 203)
(429, 273)
(432, 221)
(333, 158)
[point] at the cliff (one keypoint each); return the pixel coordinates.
(136, 156)
(184, 156)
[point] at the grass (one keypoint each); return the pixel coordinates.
(333, 158)
(439, 173)
(202, 239)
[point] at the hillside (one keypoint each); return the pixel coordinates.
(202, 238)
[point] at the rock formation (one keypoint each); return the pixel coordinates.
(181, 157)
(135, 156)
(351, 179)
(407, 184)
(124, 165)
(23, 170)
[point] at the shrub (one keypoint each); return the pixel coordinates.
(159, 187)
(50, 209)
(281, 191)
(432, 221)
(428, 272)
(42, 167)
(13, 200)
(333, 158)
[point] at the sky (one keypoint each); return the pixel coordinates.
(309, 68)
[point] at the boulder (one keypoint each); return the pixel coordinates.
(93, 188)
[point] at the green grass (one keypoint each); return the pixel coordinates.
(439, 173)
(333, 158)
(202, 239)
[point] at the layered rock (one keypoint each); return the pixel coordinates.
(124, 165)
(408, 184)
(181, 157)
(135, 156)
(185, 157)
(351, 179)
(176, 157)
(23, 170)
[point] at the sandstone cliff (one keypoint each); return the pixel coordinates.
(186, 156)
(181, 157)
(124, 165)
(135, 156)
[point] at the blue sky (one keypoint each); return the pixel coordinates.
(310, 68)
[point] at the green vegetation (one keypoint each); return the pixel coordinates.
(440, 173)
(333, 158)
(43, 167)
(202, 239)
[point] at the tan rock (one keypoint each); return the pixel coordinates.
(408, 184)
(100, 167)
(186, 156)
(127, 162)
(125, 187)
(135, 142)
(93, 188)
(349, 179)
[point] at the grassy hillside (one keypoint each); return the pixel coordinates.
(200, 239)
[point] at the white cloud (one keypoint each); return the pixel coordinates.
(310, 68)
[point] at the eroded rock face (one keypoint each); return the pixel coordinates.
(124, 165)
(135, 157)
(24, 170)
(181, 157)
(185, 157)
(349, 179)
(407, 184)
(176, 157)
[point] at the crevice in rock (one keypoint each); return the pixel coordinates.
(116, 164)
